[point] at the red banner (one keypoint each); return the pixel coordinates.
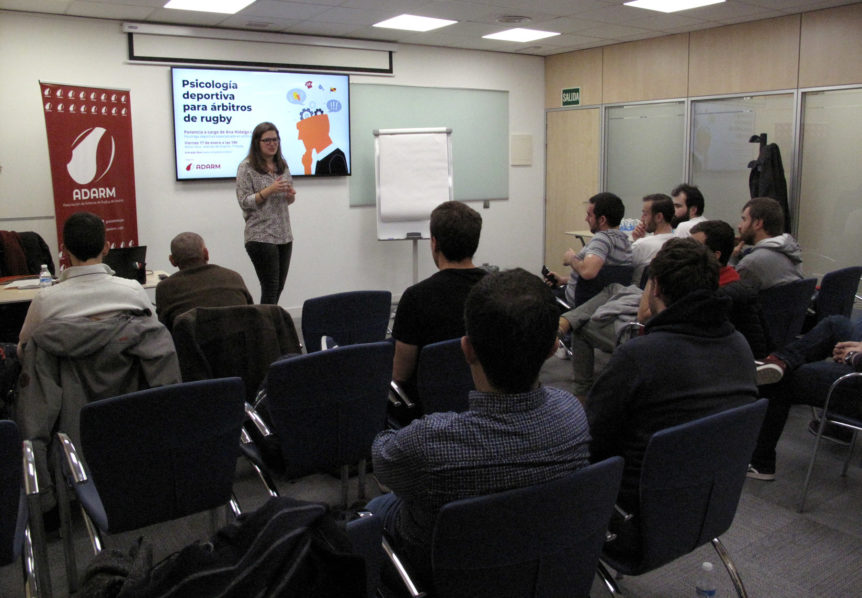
(92, 165)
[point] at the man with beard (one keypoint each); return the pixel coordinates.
(688, 209)
(656, 218)
(609, 244)
(766, 255)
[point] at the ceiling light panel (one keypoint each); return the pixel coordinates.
(414, 23)
(228, 7)
(519, 34)
(671, 5)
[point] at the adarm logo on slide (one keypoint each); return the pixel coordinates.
(93, 154)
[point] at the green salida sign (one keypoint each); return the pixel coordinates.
(572, 96)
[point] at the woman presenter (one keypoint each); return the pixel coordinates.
(264, 189)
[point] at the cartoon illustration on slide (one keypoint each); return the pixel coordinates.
(322, 156)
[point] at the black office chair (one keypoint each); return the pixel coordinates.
(691, 479)
(854, 424)
(21, 535)
(153, 456)
(837, 293)
(443, 378)
(784, 308)
(349, 318)
(536, 541)
(327, 407)
(587, 289)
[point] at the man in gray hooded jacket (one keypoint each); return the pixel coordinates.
(773, 257)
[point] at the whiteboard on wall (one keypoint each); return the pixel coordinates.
(413, 175)
(479, 119)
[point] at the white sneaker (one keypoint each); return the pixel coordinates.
(768, 372)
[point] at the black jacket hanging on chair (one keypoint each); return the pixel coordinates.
(767, 176)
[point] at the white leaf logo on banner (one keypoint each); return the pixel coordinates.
(84, 166)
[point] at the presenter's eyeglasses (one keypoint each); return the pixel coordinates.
(270, 140)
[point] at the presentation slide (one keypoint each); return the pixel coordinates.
(216, 110)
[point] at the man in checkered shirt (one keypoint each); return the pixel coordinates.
(516, 432)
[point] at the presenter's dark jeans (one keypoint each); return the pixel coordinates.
(271, 263)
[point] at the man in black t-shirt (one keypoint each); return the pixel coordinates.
(433, 310)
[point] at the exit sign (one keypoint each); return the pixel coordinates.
(572, 96)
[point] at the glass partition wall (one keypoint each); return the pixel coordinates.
(650, 147)
(721, 151)
(645, 150)
(830, 189)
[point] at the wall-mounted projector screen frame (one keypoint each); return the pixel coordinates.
(413, 175)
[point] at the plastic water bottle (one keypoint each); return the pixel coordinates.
(705, 585)
(45, 279)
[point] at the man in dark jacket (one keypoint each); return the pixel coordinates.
(198, 283)
(689, 364)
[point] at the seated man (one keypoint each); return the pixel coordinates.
(90, 337)
(688, 204)
(517, 432)
(433, 310)
(690, 363)
(745, 311)
(656, 216)
(87, 288)
(766, 255)
(798, 374)
(609, 244)
(198, 283)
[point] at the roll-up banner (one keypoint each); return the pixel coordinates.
(92, 163)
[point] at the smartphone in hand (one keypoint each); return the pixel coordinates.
(549, 276)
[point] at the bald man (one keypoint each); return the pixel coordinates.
(198, 283)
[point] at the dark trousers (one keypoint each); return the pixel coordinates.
(271, 263)
(807, 382)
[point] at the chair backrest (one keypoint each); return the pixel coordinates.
(587, 289)
(837, 292)
(443, 378)
(541, 540)
(162, 453)
(240, 340)
(784, 307)
(327, 407)
(349, 318)
(11, 503)
(691, 480)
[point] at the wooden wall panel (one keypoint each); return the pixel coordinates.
(574, 69)
(651, 69)
(749, 57)
(831, 47)
(572, 164)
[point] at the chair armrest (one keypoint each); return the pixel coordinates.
(255, 418)
(836, 384)
(397, 396)
(402, 571)
(31, 481)
(76, 467)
